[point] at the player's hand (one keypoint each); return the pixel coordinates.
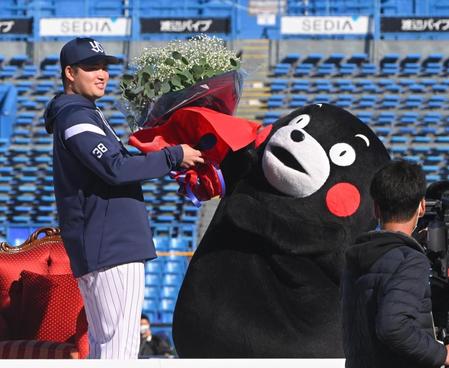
(191, 157)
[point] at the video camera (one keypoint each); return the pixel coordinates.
(436, 224)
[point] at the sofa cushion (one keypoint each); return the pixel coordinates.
(49, 308)
(29, 349)
(45, 257)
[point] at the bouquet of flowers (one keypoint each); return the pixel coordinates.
(187, 92)
(163, 76)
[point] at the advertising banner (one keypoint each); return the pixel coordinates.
(414, 24)
(185, 25)
(325, 25)
(85, 27)
(16, 26)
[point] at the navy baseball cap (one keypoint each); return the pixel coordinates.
(84, 50)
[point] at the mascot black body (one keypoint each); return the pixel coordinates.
(264, 281)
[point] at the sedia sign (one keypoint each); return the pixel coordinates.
(325, 25)
(85, 27)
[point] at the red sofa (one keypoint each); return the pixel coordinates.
(41, 309)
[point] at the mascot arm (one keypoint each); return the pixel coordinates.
(282, 231)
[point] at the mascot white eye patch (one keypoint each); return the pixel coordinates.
(343, 154)
(294, 162)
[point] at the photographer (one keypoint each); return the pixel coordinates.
(387, 320)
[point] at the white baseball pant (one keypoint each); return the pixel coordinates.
(113, 300)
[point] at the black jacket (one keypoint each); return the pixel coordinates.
(159, 345)
(101, 212)
(386, 304)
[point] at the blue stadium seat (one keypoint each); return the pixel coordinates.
(325, 70)
(335, 58)
(300, 86)
(399, 139)
(389, 69)
(271, 116)
(398, 149)
(313, 58)
(321, 99)
(367, 86)
(151, 292)
(18, 60)
(413, 158)
(28, 71)
(152, 279)
(323, 85)
(410, 59)
(409, 118)
(368, 69)
(436, 102)
(8, 71)
(433, 58)
(167, 304)
(150, 304)
(367, 102)
(411, 69)
(432, 69)
(439, 88)
(347, 69)
(432, 118)
(50, 71)
(358, 58)
(390, 102)
(382, 131)
(172, 279)
(390, 58)
(365, 116)
(179, 244)
(345, 85)
(161, 243)
(169, 292)
(413, 102)
(291, 58)
(281, 69)
(303, 69)
(153, 267)
(417, 88)
(442, 139)
(279, 85)
(275, 101)
(172, 267)
(344, 101)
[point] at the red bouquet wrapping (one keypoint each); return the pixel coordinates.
(213, 133)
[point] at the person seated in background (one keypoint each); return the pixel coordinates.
(387, 310)
(152, 345)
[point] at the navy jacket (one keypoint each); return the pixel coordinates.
(101, 212)
(386, 304)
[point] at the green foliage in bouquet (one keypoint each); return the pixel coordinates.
(178, 65)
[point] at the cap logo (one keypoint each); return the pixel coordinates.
(96, 46)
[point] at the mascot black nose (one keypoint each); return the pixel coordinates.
(297, 136)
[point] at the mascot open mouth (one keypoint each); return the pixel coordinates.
(287, 158)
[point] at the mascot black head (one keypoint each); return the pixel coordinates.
(264, 281)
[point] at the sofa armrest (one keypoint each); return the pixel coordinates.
(33, 349)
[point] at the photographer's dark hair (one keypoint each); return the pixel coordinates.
(397, 188)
